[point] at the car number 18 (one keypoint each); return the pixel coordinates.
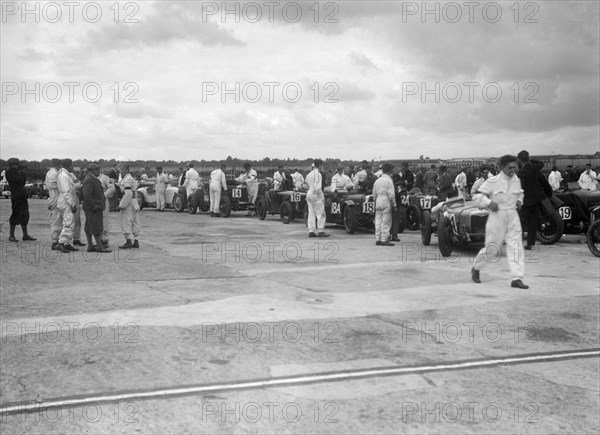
(369, 207)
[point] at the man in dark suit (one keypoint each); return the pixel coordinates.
(15, 176)
(535, 188)
(445, 184)
(93, 206)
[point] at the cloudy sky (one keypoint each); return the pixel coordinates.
(346, 79)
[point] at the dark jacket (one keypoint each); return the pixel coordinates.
(16, 180)
(535, 186)
(445, 186)
(93, 194)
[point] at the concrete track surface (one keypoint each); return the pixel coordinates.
(245, 326)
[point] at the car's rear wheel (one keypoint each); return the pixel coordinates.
(445, 239)
(350, 223)
(178, 203)
(225, 206)
(593, 238)
(286, 213)
(261, 208)
(551, 229)
(413, 217)
(426, 228)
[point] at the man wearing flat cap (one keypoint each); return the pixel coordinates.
(51, 183)
(67, 206)
(18, 198)
(94, 204)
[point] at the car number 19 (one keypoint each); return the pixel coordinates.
(565, 213)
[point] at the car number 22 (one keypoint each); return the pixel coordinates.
(296, 196)
(565, 213)
(236, 193)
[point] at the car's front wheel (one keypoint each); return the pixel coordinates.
(426, 228)
(140, 199)
(225, 206)
(286, 212)
(551, 229)
(413, 217)
(445, 240)
(178, 203)
(593, 238)
(350, 223)
(261, 208)
(192, 204)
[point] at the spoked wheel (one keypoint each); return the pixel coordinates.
(445, 239)
(286, 212)
(551, 229)
(593, 238)
(413, 217)
(426, 228)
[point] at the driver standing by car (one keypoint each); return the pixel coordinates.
(503, 196)
(192, 180)
(588, 180)
(18, 199)
(218, 181)
(384, 196)
(341, 180)
(250, 177)
(316, 201)
(161, 189)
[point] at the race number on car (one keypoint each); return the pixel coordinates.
(296, 196)
(565, 213)
(236, 193)
(369, 205)
(403, 199)
(426, 203)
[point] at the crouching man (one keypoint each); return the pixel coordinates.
(503, 196)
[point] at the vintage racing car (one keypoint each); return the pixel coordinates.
(351, 209)
(236, 197)
(593, 234)
(146, 195)
(456, 222)
(576, 210)
(287, 202)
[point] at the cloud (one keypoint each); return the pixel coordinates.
(362, 60)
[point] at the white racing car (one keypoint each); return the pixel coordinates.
(146, 195)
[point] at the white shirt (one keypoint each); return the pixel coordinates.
(384, 193)
(161, 181)
(192, 178)
(298, 180)
(502, 190)
(278, 179)
(315, 182)
(129, 181)
(588, 181)
(554, 180)
(217, 178)
(66, 189)
(341, 181)
(461, 180)
(360, 176)
(51, 184)
(249, 177)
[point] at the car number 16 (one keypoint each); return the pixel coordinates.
(296, 196)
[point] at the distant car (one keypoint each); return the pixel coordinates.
(146, 195)
(236, 197)
(593, 234)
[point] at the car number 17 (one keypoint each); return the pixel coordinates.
(426, 203)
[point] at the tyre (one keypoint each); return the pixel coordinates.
(426, 228)
(192, 204)
(178, 203)
(593, 238)
(401, 221)
(140, 199)
(261, 208)
(413, 217)
(225, 206)
(349, 220)
(286, 212)
(551, 229)
(445, 242)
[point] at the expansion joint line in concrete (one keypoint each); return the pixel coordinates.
(284, 381)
